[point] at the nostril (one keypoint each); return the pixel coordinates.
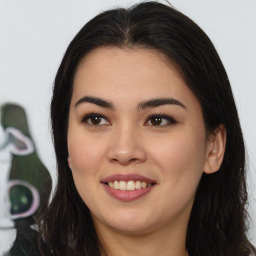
(124, 160)
(126, 150)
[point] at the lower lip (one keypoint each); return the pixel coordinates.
(127, 195)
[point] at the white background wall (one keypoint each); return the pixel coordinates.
(35, 34)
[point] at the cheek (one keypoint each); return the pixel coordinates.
(181, 158)
(181, 161)
(85, 157)
(85, 154)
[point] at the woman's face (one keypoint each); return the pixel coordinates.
(136, 140)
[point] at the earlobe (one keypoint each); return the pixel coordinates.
(69, 162)
(216, 150)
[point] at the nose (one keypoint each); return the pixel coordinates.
(126, 146)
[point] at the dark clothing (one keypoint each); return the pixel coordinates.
(26, 243)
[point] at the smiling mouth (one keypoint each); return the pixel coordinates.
(130, 185)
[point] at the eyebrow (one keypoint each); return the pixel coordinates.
(143, 105)
(94, 100)
(160, 102)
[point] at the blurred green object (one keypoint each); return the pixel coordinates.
(24, 167)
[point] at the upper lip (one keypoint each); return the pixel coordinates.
(127, 177)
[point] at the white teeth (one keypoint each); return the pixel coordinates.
(122, 185)
(138, 184)
(116, 184)
(130, 185)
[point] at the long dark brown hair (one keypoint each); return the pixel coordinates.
(217, 225)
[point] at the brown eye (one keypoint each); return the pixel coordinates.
(95, 119)
(156, 121)
(160, 120)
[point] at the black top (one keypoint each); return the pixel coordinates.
(26, 243)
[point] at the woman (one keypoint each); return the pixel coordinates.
(150, 153)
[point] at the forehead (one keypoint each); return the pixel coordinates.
(114, 59)
(135, 73)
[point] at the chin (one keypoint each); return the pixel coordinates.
(132, 228)
(131, 223)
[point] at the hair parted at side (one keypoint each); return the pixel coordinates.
(217, 225)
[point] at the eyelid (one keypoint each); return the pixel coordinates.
(85, 118)
(170, 119)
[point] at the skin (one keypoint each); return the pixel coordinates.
(125, 141)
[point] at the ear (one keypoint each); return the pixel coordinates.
(215, 150)
(69, 162)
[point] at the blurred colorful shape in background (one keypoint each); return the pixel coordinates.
(25, 183)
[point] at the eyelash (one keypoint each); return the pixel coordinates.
(92, 115)
(87, 117)
(170, 120)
